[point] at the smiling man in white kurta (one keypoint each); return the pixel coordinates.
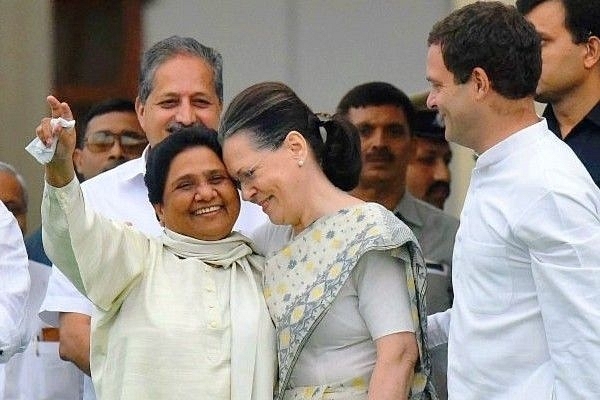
(525, 322)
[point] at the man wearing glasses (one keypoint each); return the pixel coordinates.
(181, 85)
(111, 135)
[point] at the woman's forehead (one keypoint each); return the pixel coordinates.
(198, 159)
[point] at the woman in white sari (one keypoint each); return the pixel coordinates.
(344, 279)
(180, 316)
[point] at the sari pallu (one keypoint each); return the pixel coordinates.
(303, 279)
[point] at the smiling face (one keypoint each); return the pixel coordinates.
(200, 199)
(266, 177)
(453, 100)
(183, 94)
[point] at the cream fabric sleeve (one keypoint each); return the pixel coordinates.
(101, 257)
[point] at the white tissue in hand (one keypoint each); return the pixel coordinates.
(39, 150)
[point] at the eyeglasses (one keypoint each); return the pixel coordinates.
(131, 143)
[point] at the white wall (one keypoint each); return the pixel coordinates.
(320, 48)
(25, 67)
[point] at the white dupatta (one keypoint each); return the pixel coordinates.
(253, 351)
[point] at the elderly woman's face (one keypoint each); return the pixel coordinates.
(266, 177)
(199, 200)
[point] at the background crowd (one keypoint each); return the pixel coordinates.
(347, 210)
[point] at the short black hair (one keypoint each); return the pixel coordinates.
(161, 156)
(377, 94)
(429, 125)
(101, 108)
(582, 17)
(495, 37)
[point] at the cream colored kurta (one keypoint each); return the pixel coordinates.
(164, 327)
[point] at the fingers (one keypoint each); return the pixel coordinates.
(59, 109)
(44, 132)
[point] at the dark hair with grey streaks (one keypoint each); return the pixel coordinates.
(268, 111)
(170, 47)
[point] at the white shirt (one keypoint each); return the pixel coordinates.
(39, 373)
(14, 286)
(525, 323)
(121, 194)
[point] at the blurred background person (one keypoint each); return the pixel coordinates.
(13, 193)
(428, 172)
(110, 135)
(38, 372)
(14, 287)
(570, 80)
(385, 119)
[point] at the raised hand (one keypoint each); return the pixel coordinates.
(60, 170)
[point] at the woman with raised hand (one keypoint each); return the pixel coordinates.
(344, 279)
(181, 316)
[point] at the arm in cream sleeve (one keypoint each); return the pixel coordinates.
(102, 256)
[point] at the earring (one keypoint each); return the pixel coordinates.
(300, 163)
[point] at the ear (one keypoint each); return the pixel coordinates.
(140, 108)
(77, 160)
(592, 54)
(158, 209)
(296, 144)
(481, 81)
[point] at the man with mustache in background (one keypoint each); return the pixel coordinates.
(385, 116)
(428, 172)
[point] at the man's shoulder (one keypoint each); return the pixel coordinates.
(121, 194)
(434, 218)
(594, 113)
(122, 174)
